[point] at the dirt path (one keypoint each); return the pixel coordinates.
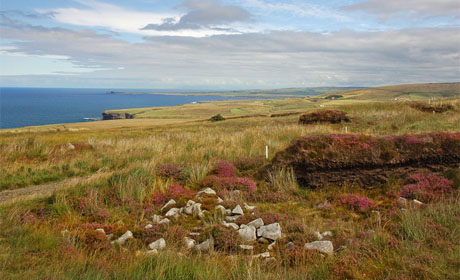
(46, 190)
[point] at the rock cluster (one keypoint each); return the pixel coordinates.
(250, 233)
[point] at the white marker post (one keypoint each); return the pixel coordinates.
(266, 152)
(346, 129)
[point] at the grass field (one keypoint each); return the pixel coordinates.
(123, 157)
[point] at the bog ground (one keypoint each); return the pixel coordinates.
(106, 220)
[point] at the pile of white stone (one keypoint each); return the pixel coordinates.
(255, 230)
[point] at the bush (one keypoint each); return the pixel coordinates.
(331, 116)
(217, 118)
(224, 169)
(244, 164)
(357, 203)
(229, 183)
(173, 191)
(96, 240)
(226, 239)
(171, 171)
(427, 187)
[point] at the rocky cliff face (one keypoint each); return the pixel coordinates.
(116, 116)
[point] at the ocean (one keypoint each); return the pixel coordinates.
(21, 107)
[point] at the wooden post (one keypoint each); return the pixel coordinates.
(266, 152)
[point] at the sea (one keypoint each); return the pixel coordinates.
(21, 107)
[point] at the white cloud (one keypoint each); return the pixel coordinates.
(119, 19)
(423, 8)
(297, 8)
(277, 59)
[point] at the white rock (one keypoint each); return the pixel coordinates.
(156, 219)
(271, 246)
(151, 253)
(228, 212)
(219, 200)
(101, 230)
(173, 212)
(257, 223)
(318, 235)
(247, 207)
(194, 233)
(327, 233)
(168, 204)
(205, 246)
(231, 218)
(110, 236)
(325, 247)
(237, 210)
(290, 245)
(247, 233)
(190, 203)
(158, 245)
(189, 242)
(196, 210)
(232, 225)
(165, 221)
(263, 240)
(262, 255)
(70, 146)
(271, 231)
(417, 202)
(148, 226)
(246, 247)
(207, 191)
(269, 260)
(402, 200)
(122, 239)
(221, 209)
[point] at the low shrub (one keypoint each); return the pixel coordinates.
(427, 187)
(224, 169)
(229, 183)
(226, 239)
(217, 118)
(331, 116)
(244, 164)
(436, 108)
(173, 191)
(171, 171)
(357, 203)
(96, 240)
(152, 234)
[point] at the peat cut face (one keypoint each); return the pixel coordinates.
(324, 116)
(320, 160)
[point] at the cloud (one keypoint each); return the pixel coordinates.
(251, 60)
(295, 8)
(99, 14)
(203, 15)
(423, 8)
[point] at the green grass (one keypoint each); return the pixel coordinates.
(418, 243)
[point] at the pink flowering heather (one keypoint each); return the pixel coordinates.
(357, 203)
(246, 184)
(172, 171)
(173, 191)
(224, 169)
(427, 187)
(228, 183)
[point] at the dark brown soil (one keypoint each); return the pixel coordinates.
(432, 108)
(328, 116)
(397, 158)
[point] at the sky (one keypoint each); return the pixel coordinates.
(227, 44)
